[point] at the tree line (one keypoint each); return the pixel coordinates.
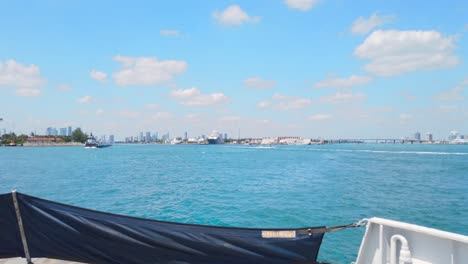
(13, 139)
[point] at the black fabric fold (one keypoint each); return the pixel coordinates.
(60, 231)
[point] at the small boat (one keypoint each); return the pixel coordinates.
(93, 143)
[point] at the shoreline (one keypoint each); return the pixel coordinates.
(52, 145)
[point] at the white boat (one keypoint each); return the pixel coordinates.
(215, 138)
(93, 143)
(176, 141)
(392, 242)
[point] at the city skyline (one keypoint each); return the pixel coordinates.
(324, 69)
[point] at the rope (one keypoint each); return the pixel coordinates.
(331, 229)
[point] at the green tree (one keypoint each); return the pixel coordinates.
(79, 136)
(20, 140)
(8, 138)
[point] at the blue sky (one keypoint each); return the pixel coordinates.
(333, 69)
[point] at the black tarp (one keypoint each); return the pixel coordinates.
(60, 231)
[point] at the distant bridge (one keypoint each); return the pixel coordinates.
(378, 140)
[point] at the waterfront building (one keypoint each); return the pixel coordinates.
(51, 131)
(111, 139)
(185, 136)
(63, 131)
(225, 136)
(148, 137)
(69, 131)
(141, 138)
(429, 137)
(43, 140)
(155, 136)
(417, 136)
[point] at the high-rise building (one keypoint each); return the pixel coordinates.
(155, 136)
(417, 136)
(63, 131)
(185, 135)
(69, 131)
(225, 136)
(148, 137)
(141, 138)
(111, 139)
(51, 131)
(429, 137)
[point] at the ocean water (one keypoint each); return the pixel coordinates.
(249, 186)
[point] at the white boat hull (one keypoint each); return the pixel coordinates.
(385, 240)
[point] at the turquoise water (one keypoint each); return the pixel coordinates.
(285, 186)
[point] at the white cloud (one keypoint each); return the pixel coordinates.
(264, 104)
(455, 94)
(146, 70)
(341, 97)
(193, 97)
(464, 82)
(302, 5)
(285, 102)
(169, 32)
(99, 111)
(64, 88)
(161, 116)
(363, 25)
(319, 117)
(259, 83)
(353, 80)
(84, 100)
(234, 16)
(25, 78)
(448, 108)
(297, 103)
(98, 76)
(186, 93)
(393, 52)
(28, 92)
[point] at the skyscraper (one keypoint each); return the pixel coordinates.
(148, 137)
(69, 131)
(141, 137)
(429, 137)
(417, 136)
(185, 135)
(111, 139)
(51, 131)
(63, 131)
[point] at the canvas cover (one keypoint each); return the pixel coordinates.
(60, 231)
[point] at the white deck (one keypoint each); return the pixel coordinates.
(425, 245)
